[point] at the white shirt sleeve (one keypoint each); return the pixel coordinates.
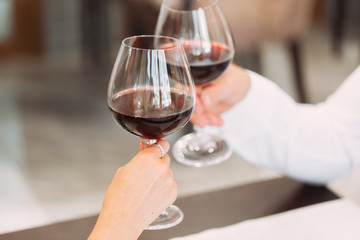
(312, 143)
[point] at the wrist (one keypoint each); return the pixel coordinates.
(114, 227)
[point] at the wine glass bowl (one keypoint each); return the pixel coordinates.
(204, 33)
(156, 124)
(151, 95)
(207, 66)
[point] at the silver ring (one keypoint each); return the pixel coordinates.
(161, 149)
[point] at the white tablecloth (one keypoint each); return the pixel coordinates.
(337, 219)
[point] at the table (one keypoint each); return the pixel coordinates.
(203, 211)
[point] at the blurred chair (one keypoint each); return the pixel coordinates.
(141, 15)
(255, 22)
(94, 30)
(337, 17)
(341, 19)
(26, 35)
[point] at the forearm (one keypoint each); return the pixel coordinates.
(110, 226)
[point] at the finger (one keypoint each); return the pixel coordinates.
(220, 108)
(213, 94)
(219, 120)
(157, 149)
(207, 119)
(141, 145)
(165, 144)
(199, 120)
(198, 105)
(119, 169)
(166, 159)
(198, 89)
(214, 120)
(170, 173)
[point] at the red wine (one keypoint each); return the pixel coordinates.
(134, 110)
(208, 60)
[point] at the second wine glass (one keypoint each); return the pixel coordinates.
(205, 35)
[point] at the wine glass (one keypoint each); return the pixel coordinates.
(151, 95)
(202, 28)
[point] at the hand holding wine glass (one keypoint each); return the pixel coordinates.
(151, 95)
(137, 194)
(220, 96)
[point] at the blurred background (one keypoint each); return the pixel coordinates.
(59, 146)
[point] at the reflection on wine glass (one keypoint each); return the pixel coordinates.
(206, 38)
(151, 95)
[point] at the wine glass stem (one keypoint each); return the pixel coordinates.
(165, 213)
(203, 141)
(200, 132)
(202, 135)
(151, 141)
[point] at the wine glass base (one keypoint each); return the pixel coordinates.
(217, 152)
(171, 217)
